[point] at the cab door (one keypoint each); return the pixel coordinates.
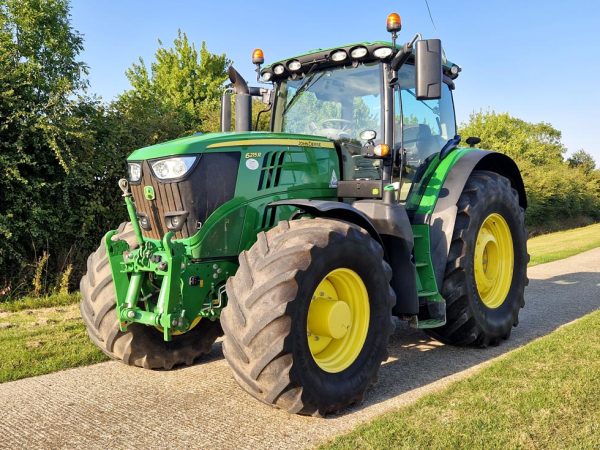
(422, 127)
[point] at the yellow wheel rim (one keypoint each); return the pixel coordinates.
(338, 320)
(494, 261)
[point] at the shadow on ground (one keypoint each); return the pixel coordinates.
(417, 360)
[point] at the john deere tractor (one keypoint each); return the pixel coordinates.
(300, 244)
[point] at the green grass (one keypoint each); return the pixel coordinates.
(544, 395)
(39, 302)
(562, 244)
(40, 341)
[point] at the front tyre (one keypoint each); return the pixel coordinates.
(308, 317)
(486, 272)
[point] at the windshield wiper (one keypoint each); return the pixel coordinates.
(310, 80)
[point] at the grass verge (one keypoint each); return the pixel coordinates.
(543, 395)
(562, 244)
(40, 341)
(40, 302)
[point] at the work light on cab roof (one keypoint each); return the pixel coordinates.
(354, 54)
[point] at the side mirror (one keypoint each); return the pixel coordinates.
(264, 94)
(428, 64)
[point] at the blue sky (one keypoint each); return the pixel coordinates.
(538, 60)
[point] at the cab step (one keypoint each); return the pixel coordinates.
(433, 305)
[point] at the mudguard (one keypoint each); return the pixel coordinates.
(443, 216)
(332, 210)
(389, 225)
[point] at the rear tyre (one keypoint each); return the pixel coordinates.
(486, 272)
(308, 317)
(141, 345)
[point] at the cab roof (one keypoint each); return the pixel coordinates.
(322, 57)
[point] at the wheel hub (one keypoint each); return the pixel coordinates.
(330, 318)
(338, 320)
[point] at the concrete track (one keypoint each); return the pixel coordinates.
(111, 405)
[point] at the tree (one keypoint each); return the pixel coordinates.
(538, 143)
(556, 189)
(39, 75)
(179, 95)
(57, 160)
(582, 160)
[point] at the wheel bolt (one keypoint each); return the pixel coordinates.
(131, 314)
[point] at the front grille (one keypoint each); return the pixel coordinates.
(210, 184)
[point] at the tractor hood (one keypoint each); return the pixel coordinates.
(205, 143)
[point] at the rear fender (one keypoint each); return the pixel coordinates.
(443, 216)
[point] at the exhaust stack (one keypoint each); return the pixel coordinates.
(243, 104)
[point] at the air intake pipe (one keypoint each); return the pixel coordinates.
(243, 104)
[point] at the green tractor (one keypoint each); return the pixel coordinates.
(301, 244)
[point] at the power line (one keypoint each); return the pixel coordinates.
(430, 16)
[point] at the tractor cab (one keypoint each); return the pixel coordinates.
(363, 99)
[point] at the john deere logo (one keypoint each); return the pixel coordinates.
(149, 192)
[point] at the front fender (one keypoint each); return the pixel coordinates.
(333, 210)
(389, 225)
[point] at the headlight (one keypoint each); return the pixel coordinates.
(166, 169)
(278, 69)
(135, 172)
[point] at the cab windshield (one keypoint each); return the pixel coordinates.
(337, 103)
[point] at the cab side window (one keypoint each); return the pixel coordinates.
(428, 124)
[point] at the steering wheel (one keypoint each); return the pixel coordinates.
(337, 124)
(334, 128)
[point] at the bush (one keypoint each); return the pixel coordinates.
(556, 192)
(560, 193)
